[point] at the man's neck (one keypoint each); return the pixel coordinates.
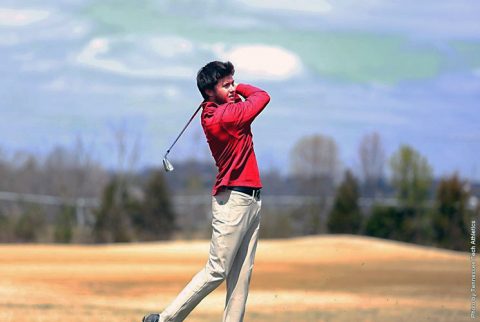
(211, 100)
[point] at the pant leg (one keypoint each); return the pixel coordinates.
(238, 280)
(232, 216)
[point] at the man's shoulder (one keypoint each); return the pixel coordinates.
(211, 114)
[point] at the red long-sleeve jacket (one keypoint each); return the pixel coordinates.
(228, 132)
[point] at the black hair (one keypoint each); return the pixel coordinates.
(208, 75)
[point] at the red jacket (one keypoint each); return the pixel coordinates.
(227, 128)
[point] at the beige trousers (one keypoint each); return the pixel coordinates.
(235, 223)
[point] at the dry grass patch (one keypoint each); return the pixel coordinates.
(326, 278)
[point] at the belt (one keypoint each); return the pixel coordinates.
(247, 190)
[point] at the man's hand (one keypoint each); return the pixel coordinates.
(238, 97)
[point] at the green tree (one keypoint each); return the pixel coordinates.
(411, 176)
(383, 222)
(391, 223)
(7, 223)
(412, 179)
(112, 220)
(63, 231)
(345, 216)
(451, 218)
(156, 218)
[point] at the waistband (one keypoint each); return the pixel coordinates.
(247, 190)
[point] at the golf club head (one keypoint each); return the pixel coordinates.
(167, 165)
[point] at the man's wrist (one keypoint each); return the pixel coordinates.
(241, 89)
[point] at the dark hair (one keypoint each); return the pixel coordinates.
(208, 75)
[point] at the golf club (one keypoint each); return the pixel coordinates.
(167, 165)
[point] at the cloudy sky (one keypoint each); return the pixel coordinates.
(408, 70)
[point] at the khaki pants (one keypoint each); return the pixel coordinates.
(235, 222)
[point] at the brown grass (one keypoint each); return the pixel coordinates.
(326, 278)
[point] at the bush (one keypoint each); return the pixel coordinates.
(6, 229)
(392, 223)
(154, 219)
(276, 225)
(451, 218)
(345, 216)
(64, 222)
(29, 225)
(112, 221)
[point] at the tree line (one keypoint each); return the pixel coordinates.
(136, 205)
(438, 215)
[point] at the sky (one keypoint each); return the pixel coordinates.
(407, 70)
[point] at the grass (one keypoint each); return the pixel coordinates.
(326, 278)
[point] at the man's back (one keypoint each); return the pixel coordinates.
(228, 132)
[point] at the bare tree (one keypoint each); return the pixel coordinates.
(88, 173)
(315, 165)
(315, 157)
(372, 162)
(4, 170)
(113, 218)
(26, 174)
(127, 148)
(73, 172)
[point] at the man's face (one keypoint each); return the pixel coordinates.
(224, 91)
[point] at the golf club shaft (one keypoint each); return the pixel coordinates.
(184, 128)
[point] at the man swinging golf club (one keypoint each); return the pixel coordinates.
(226, 120)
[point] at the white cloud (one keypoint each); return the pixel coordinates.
(20, 18)
(262, 62)
(22, 26)
(317, 6)
(82, 86)
(98, 54)
(170, 46)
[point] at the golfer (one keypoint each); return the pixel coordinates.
(226, 120)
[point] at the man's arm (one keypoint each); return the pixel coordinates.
(243, 113)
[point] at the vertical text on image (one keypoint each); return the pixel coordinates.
(473, 289)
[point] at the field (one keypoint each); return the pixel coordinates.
(326, 278)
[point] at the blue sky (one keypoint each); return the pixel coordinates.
(408, 70)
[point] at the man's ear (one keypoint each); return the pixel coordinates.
(209, 92)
